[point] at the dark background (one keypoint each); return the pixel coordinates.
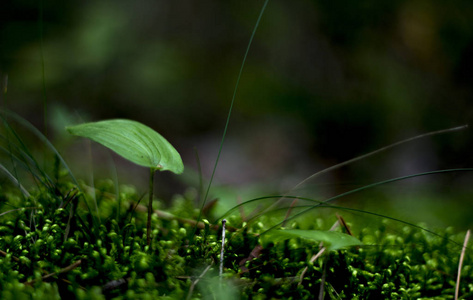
(325, 81)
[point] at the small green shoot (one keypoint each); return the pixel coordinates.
(137, 143)
(134, 141)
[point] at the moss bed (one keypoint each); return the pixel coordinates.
(52, 247)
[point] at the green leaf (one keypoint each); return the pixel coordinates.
(134, 141)
(332, 240)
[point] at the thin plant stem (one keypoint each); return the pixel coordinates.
(223, 247)
(191, 289)
(361, 157)
(43, 77)
(64, 270)
(91, 172)
(15, 181)
(324, 203)
(230, 112)
(460, 264)
(199, 170)
(150, 206)
(322, 280)
(316, 256)
(350, 161)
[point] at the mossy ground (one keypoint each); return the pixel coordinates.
(54, 247)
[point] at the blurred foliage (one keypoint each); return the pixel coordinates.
(324, 81)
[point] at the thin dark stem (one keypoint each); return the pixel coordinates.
(229, 114)
(150, 206)
(353, 160)
(322, 281)
(45, 97)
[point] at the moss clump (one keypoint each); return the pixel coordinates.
(54, 247)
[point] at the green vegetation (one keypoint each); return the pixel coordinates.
(54, 246)
(137, 143)
(47, 253)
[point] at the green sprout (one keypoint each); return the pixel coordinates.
(137, 143)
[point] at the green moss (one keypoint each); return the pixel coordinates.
(110, 259)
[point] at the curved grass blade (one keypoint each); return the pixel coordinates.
(230, 113)
(23, 150)
(382, 149)
(19, 153)
(372, 153)
(354, 210)
(133, 141)
(41, 136)
(378, 184)
(26, 162)
(15, 181)
(324, 203)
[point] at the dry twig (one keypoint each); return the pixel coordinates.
(460, 263)
(64, 270)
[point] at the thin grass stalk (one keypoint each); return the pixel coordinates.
(194, 283)
(222, 249)
(460, 264)
(92, 184)
(322, 280)
(41, 136)
(325, 202)
(15, 181)
(43, 76)
(24, 157)
(372, 186)
(358, 158)
(150, 206)
(316, 256)
(230, 112)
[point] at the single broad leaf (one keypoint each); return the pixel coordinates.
(134, 141)
(332, 240)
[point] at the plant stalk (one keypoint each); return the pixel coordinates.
(150, 206)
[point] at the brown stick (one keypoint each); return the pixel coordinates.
(64, 270)
(13, 257)
(460, 263)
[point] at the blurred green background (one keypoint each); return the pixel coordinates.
(325, 81)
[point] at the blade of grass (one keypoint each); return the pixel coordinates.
(230, 113)
(25, 161)
(194, 283)
(382, 149)
(91, 172)
(361, 157)
(49, 183)
(15, 181)
(17, 209)
(369, 186)
(150, 206)
(24, 156)
(43, 76)
(325, 203)
(41, 137)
